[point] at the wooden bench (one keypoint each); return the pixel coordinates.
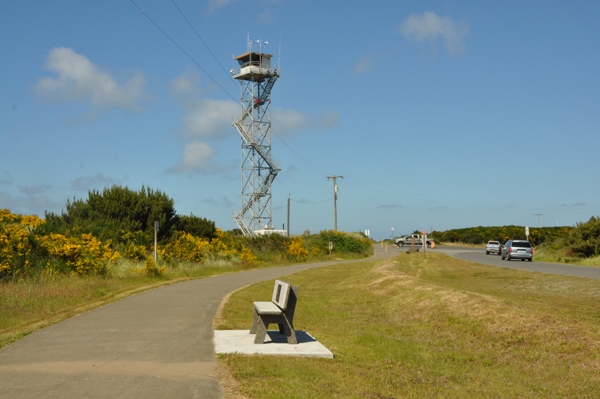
(280, 311)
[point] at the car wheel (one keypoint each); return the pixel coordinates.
(400, 244)
(487, 253)
(522, 260)
(530, 259)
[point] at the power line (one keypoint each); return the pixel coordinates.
(203, 42)
(304, 160)
(180, 48)
(311, 203)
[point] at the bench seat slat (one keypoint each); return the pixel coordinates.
(267, 308)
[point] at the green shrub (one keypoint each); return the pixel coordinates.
(584, 240)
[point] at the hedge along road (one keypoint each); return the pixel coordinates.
(156, 344)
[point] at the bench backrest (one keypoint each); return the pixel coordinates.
(281, 293)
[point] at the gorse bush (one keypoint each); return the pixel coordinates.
(16, 244)
(81, 256)
(185, 248)
(296, 249)
(151, 269)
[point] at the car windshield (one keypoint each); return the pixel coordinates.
(522, 244)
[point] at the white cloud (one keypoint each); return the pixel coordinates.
(430, 27)
(210, 119)
(287, 122)
(198, 156)
(388, 206)
(222, 202)
(185, 86)
(99, 180)
(214, 5)
(29, 204)
(205, 118)
(78, 79)
(33, 190)
(6, 178)
(363, 65)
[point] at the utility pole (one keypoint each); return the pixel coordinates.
(335, 189)
(538, 215)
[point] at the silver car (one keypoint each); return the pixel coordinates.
(517, 249)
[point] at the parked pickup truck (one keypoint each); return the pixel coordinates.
(493, 247)
(408, 240)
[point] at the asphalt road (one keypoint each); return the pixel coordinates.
(478, 255)
(156, 344)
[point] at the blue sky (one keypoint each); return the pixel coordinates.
(438, 114)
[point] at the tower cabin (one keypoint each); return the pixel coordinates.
(254, 66)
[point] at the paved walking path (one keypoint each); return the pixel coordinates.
(156, 344)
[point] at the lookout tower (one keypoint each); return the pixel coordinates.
(256, 77)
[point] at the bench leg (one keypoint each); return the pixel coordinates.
(288, 330)
(255, 322)
(260, 330)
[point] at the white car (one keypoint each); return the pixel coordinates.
(493, 247)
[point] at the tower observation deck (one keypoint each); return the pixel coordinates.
(256, 77)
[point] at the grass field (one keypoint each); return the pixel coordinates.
(428, 328)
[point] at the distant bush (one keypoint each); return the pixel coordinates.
(481, 235)
(584, 240)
